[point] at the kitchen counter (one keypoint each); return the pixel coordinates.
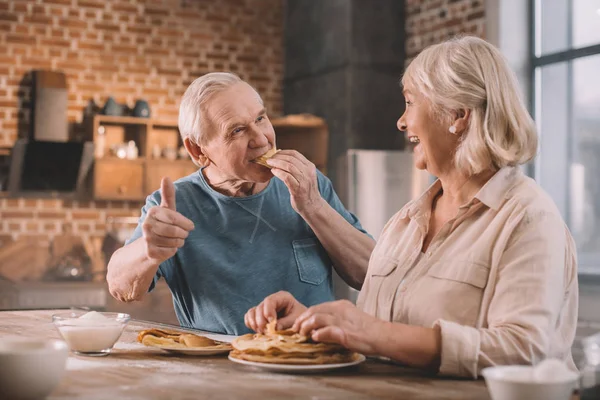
(134, 371)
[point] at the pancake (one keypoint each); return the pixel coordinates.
(178, 340)
(262, 160)
(288, 347)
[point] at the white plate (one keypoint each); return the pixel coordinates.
(195, 351)
(298, 368)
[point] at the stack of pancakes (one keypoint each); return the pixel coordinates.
(287, 347)
(165, 338)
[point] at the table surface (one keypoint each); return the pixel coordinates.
(133, 371)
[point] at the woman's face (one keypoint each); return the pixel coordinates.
(435, 145)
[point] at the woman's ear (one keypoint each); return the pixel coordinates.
(196, 152)
(461, 120)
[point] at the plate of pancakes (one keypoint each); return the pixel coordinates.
(289, 351)
(182, 342)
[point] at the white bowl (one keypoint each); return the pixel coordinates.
(30, 368)
(513, 382)
(90, 337)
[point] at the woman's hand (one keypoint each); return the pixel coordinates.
(281, 306)
(343, 323)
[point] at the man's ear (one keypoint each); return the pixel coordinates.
(196, 152)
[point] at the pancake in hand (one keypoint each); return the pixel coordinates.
(288, 347)
(178, 340)
(262, 160)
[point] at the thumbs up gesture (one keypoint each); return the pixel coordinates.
(165, 230)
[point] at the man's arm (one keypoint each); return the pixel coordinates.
(130, 272)
(132, 268)
(347, 246)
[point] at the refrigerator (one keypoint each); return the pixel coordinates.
(374, 185)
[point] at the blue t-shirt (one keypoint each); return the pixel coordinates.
(241, 250)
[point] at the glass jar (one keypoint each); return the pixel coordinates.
(589, 384)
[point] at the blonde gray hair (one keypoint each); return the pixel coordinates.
(469, 73)
(192, 121)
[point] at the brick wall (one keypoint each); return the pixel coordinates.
(130, 49)
(432, 21)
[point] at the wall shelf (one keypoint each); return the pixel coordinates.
(133, 179)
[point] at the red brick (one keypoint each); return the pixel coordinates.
(19, 39)
(32, 226)
(20, 7)
(58, 12)
(30, 203)
(12, 203)
(51, 204)
(93, 215)
(49, 227)
(56, 43)
(128, 8)
(73, 23)
(83, 228)
(51, 214)
(105, 26)
(162, 12)
(146, 30)
(17, 214)
(91, 4)
(90, 46)
(37, 19)
(4, 16)
(58, 2)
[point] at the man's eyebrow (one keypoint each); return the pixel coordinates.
(232, 125)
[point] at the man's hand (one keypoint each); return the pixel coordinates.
(300, 177)
(165, 230)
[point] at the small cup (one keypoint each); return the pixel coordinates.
(30, 368)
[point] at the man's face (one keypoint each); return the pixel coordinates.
(238, 132)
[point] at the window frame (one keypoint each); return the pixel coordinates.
(589, 262)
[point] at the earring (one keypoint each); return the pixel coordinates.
(452, 129)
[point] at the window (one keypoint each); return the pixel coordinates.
(566, 66)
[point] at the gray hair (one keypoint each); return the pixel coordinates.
(191, 111)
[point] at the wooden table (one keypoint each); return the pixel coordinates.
(133, 371)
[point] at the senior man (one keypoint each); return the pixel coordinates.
(229, 235)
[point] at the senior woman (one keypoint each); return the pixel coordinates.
(481, 269)
(229, 234)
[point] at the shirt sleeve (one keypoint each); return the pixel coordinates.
(152, 200)
(526, 305)
(329, 194)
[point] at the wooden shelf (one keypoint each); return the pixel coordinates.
(164, 161)
(139, 160)
(122, 120)
(123, 179)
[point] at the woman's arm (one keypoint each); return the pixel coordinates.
(522, 319)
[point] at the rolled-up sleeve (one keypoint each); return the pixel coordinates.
(525, 307)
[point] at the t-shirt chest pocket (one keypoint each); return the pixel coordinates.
(313, 262)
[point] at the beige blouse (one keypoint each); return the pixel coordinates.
(500, 279)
